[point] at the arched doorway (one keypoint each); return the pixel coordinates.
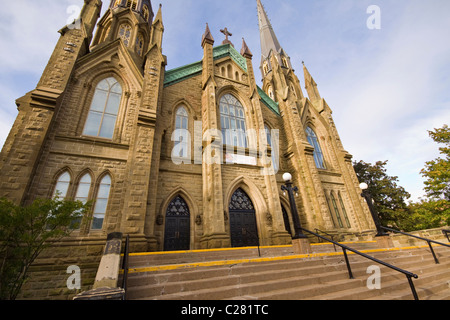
(178, 226)
(243, 229)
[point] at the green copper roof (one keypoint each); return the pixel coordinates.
(191, 70)
(179, 74)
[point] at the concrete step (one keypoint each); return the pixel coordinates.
(140, 260)
(320, 276)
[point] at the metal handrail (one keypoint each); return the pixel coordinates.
(429, 241)
(125, 266)
(409, 275)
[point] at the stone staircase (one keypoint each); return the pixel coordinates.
(279, 274)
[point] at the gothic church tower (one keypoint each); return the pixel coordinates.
(322, 169)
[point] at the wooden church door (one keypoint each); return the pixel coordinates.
(178, 226)
(243, 228)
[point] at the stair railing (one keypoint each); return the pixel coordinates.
(409, 275)
(125, 266)
(429, 241)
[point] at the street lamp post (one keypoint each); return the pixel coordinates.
(366, 195)
(287, 177)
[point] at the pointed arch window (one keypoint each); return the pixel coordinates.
(140, 44)
(102, 116)
(84, 187)
(101, 202)
(132, 4)
(181, 135)
(62, 185)
(125, 33)
(232, 119)
(145, 12)
(344, 211)
(318, 154)
(336, 210)
(274, 144)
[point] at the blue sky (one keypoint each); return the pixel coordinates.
(386, 87)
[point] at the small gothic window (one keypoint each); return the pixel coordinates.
(232, 118)
(318, 155)
(102, 116)
(101, 203)
(270, 93)
(62, 185)
(139, 44)
(266, 67)
(145, 13)
(132, 4)
(125, 33)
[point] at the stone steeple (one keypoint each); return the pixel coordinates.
(269, 43)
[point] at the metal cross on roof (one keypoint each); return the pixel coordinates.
(227, 34)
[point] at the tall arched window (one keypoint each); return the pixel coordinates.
(344, 211)
(181, 135)
(84, 187)
(318, 154)
(275, 145)
(102, 116)
(232, 119)
(139, 44)
(336, 210)
(62, 185)
(101, 203)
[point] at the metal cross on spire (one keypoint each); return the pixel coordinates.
(227, 34)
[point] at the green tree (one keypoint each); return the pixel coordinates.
(389, 198)
(437, 172)
(26, 231)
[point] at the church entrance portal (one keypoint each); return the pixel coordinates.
(243, 229)
(178, 231)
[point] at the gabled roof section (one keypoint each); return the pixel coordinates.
(191, 70)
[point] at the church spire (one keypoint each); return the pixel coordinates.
(269, 40)
(270, 46)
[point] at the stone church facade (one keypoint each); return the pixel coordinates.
(182, 159)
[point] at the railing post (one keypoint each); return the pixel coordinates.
(413, 288)
(432, 251)
(350, 273)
